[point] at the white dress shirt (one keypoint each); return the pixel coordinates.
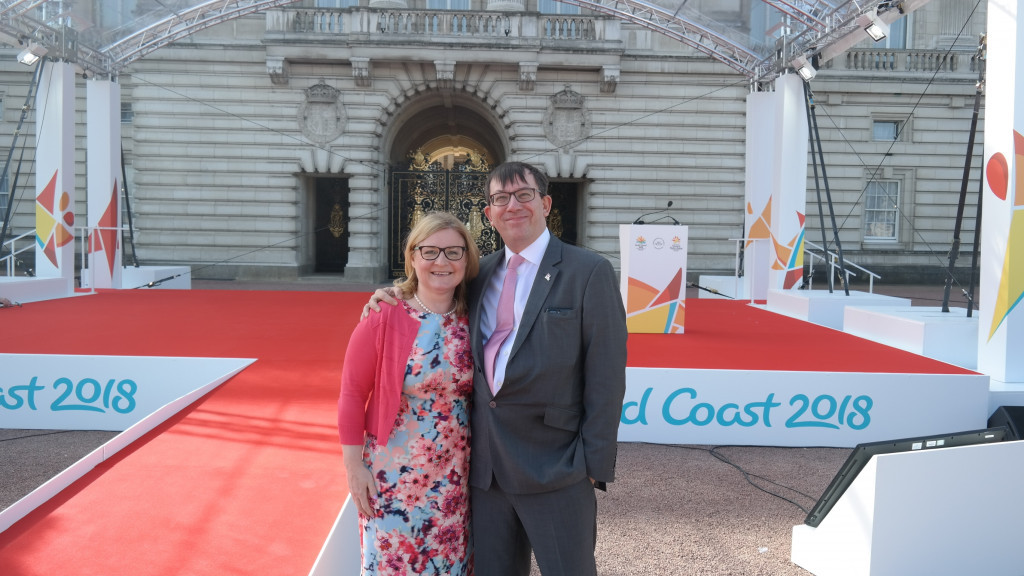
(527, 271)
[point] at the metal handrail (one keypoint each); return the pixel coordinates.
(10, 260)
(833, 262)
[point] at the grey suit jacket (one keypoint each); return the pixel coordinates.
(555, 421)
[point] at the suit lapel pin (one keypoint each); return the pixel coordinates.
(547, 277)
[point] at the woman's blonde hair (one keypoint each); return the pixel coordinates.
(429, 224)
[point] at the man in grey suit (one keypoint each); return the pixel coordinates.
(546, 411)
(547, 433)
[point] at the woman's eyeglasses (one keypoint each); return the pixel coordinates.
(452, 253)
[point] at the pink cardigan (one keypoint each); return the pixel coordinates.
(373, 374)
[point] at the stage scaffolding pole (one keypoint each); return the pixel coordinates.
(817, 188)
(955, 248)
(128, 210)
(816, 140)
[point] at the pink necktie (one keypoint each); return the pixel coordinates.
(504, 320)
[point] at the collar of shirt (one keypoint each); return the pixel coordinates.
(533, 253)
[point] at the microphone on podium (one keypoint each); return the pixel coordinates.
(640, 220)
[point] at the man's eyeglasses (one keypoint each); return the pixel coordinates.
(452, 253)
(523, 195)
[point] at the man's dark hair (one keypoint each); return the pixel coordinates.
(509, 172)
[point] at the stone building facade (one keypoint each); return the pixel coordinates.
(293, 142)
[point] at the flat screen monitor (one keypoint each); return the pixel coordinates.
(863, 452)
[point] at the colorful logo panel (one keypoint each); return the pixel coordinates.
(651, 310)
(54, 221)
(1011, 279)
(788, 257)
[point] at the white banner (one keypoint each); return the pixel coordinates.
(52, 392)
(775, 408)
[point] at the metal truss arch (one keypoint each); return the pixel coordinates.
(800, 27)
(200, 17)
(691, 33)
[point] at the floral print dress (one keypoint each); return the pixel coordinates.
(421, 520)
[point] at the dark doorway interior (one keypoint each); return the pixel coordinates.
(332, 224)
(563, 219)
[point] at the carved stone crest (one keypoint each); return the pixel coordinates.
(321, 117)
(567, 120)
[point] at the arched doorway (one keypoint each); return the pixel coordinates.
(440, 156)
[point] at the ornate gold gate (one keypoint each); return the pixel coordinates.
(422, 186)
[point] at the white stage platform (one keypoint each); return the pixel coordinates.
(25, 289)
(825, 308)
(924, 330)
(941, 512)
(951, 336)
(174, 277)
(1004, 394)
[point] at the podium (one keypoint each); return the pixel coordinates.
(947, 511)
(653, 277)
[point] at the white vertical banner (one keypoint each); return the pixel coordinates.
(653, 277)
(758, 189)
(55, 173)
(1001, 312)
(103, 127)
(776, 188)
(790, 183)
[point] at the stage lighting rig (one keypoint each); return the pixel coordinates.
(874, 26)
(802, 65)
(31, 54)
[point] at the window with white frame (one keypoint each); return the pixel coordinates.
(881, 211)
(554, 7)
(127, 114)
(885, 130)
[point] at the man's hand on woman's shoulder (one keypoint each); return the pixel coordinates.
(387, 295)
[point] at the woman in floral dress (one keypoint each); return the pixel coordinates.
(403, 412)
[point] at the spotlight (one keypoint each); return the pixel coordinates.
(803, 67)
(32, 54)
(874, 26)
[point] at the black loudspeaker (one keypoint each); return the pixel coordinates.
(1012, 417)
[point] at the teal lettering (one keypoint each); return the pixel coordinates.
(641, 406)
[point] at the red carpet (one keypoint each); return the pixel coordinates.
(249, 480)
